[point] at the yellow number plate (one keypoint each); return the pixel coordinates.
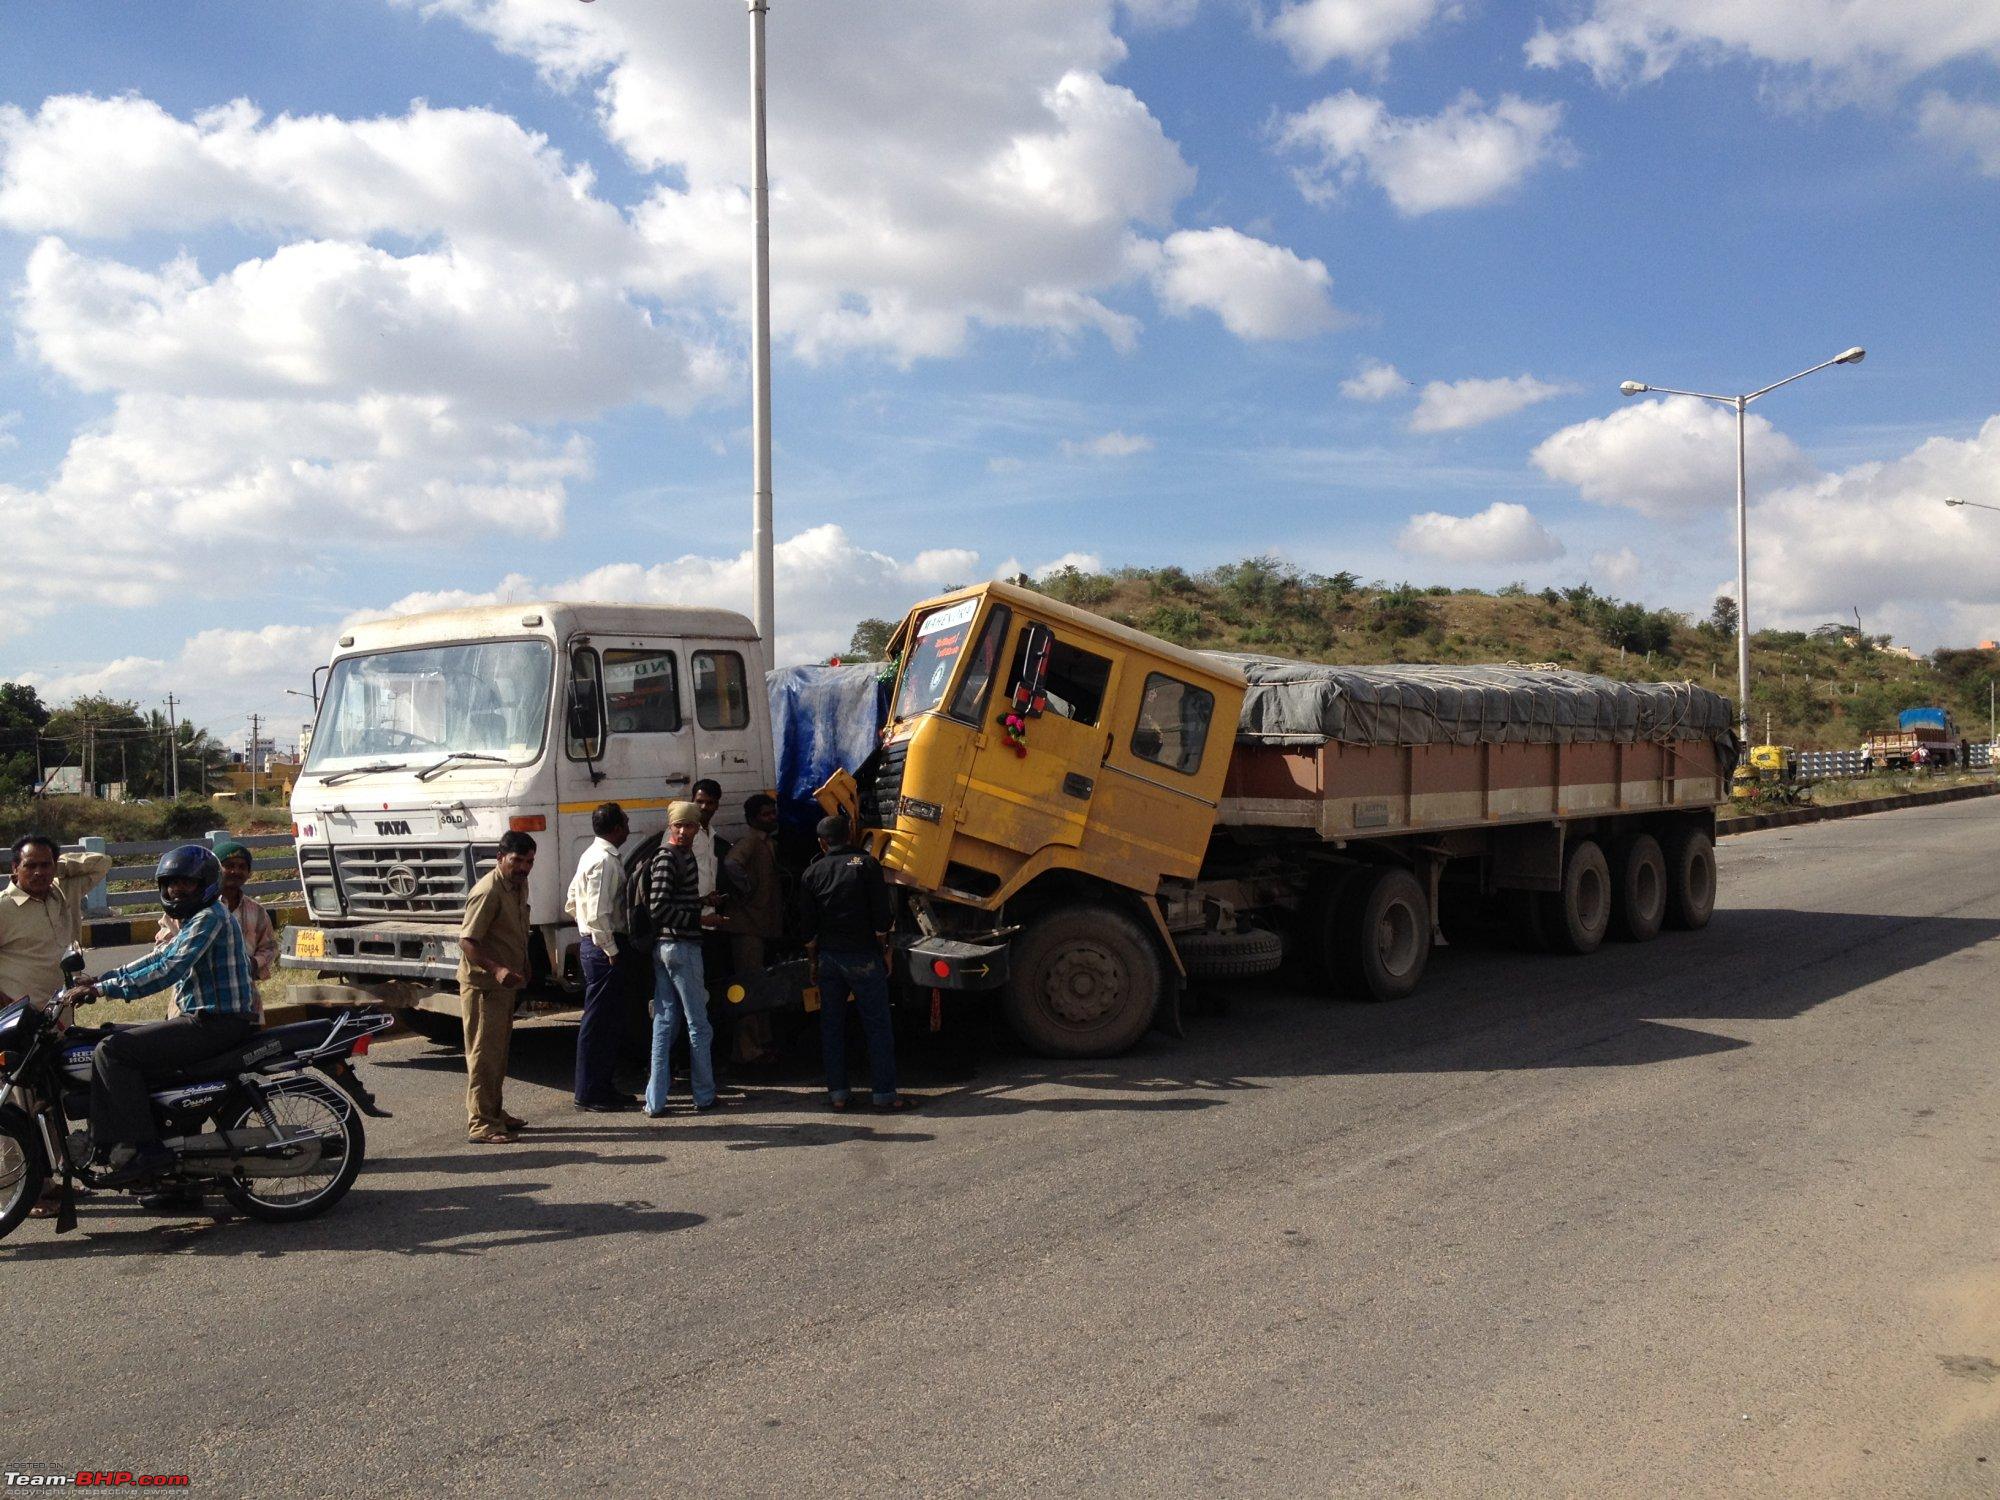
(310, 943)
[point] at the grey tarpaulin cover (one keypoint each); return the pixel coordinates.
(1307, 703)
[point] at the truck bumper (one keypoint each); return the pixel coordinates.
(946, 964)
(374, 951)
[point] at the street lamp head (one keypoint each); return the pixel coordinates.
(1853, 356)
(1634, 388)
(1953, 500)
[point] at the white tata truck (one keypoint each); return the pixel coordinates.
(435, 734)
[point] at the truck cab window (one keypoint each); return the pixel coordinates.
(969, 702)
(721, 699)
(1075, 684)
(642, 692)
(1173, 723)
(933, 653)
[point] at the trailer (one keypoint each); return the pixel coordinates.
(1082, 819)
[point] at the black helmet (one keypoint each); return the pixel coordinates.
(189, 862)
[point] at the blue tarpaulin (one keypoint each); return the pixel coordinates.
(823, 719)
(1923, 718)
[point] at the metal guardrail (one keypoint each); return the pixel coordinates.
(269, 854)
(1836, 765)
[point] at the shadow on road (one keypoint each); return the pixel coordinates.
(462, 1218)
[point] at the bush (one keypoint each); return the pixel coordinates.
(1173, 622)
(1401, 611)
(1073, 586)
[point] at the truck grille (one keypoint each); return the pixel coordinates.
(408, 880)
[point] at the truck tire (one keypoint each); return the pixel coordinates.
(1639, 903)
(1387, 936)
(1242, 954)
(1085, 982)
(1575, 918)
(1690, 879)
(435, 1027)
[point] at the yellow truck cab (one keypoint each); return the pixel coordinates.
(1045, 761)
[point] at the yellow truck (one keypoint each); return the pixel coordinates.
(1083, 818)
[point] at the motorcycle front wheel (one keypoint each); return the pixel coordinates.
(21, 1174)
(283, 1200)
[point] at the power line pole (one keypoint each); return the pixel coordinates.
(174, 747)
(254, 722)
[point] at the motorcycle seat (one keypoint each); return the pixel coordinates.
(260, 1048)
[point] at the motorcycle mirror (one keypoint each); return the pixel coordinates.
(72, 962)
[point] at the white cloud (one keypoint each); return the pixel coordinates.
(1964, 125)
(1005, 192)
(1667, 458)
(1108, 445)
(1083, 562)
(1005, 464)
(1617, 572)
(1376, 380)
(1259, 290)
(1445, 406)
(1845, 44)
(1879, 536)
(1159, 15)
(1316, 32)
(1465, 155)
(1501, 533)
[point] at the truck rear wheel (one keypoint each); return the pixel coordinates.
(1387, 936)
(1640, 903)
(1085, 983)
(1575, 918)
(1690, 879)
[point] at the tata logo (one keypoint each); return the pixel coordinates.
(392, 826)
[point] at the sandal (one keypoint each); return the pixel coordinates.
(901, 1104)
(841, 1105)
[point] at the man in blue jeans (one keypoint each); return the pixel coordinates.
(680, 988)
(844, 908)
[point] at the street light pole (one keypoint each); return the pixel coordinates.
(1741, 405)
(762, 566)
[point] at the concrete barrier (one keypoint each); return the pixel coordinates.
(1790, 815)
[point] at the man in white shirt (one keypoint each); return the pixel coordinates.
(707, 796)
(596, 901)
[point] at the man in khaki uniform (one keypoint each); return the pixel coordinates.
(41, 914)
(492, 970)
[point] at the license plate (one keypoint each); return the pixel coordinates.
(310, 943)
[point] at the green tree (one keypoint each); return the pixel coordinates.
(22, 718)
(871, 640)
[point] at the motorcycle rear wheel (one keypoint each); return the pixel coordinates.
(285, 1200)
(21, 1174)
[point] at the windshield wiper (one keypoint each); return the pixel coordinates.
(336, 777)
(457, 755)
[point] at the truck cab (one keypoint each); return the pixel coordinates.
(436, 733)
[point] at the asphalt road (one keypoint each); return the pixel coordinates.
(1710, 1216)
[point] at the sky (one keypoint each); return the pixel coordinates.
(341, 308)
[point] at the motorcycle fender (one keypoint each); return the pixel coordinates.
(36, 1129)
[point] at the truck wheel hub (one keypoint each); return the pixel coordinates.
(1084, 985)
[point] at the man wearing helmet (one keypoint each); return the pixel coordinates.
(215, 996)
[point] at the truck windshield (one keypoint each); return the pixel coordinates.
(935, 647)
(484, 698)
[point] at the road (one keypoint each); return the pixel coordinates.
(1710, 1216)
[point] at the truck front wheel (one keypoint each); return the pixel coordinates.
(1085, 982)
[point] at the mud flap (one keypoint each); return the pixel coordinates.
(1167, 1015)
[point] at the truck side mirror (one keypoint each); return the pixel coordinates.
(1030, 698)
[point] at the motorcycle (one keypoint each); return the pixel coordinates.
(275, 1122)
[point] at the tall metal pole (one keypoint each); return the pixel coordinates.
(763, 566)
(1742, 578)
(174, 747)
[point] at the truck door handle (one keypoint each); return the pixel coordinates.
(678, 780)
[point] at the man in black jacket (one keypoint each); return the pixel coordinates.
(844, 909)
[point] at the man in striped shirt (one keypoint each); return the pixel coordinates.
(680, 987)
(215, 993)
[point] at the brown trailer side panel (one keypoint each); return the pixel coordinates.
(1374, 791)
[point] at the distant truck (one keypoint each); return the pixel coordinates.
(1930, 727)
(1079, 817)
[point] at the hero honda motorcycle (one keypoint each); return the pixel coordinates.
(274, 1122)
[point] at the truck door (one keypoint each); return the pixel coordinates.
(726, 684)
(1028, 801)
(628, 737)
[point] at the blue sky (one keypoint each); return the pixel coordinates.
(346, 306)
